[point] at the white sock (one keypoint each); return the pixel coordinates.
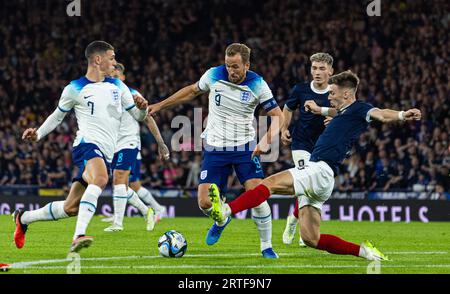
(262, 217)
(206, 211)
(120, 198)
(51, 211)
(88, 205)
(134, 200)
(148, 198)
(222, 223)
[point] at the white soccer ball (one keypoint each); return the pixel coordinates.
(172, 244)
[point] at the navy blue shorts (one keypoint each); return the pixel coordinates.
(81, 154)
(218, 165)
(125, 159)
(136, 172)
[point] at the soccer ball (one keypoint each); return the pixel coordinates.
(172, 244)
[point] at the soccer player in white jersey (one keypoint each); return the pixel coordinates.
(126, 169)
(234, 93)
(98, 102)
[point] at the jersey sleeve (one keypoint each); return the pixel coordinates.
(126, 96)
(135, 92)
(293, 100)
(68, 99)
(128, 103)
(205, 81)
(364, 111)
(265, 96)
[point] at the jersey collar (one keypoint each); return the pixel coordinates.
(317, 91)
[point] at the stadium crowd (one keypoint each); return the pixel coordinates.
(401, 57)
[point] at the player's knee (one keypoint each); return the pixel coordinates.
(310, 242)
(311, 239)
(135, 186)
(70, 210)
(101, 181)
(269, 183)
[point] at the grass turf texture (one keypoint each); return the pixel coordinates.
(413, 248)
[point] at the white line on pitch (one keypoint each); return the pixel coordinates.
(27, 264)
(300, 266)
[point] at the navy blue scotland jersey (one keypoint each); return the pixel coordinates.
(340, 134)
(307, 128)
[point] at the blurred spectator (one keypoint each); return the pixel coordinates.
(402, 59)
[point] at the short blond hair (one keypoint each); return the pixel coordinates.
(322, 57)
(238, 48)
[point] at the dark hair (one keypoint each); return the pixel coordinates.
(238, 48)
(97, 47)
(346, 79)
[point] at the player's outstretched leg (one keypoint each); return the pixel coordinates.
(50, 212)
(217, 228)
(262, 217)
(310, 227)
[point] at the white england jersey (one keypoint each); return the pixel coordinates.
(232, 107)
(98, 108)
(129, 132)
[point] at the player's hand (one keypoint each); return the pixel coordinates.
(286, 137)
(140, 102)
(153, 108)
(310, 105)
(327, 120)
(413, 114)
(164, 153)
(261, 148)
(30, 135)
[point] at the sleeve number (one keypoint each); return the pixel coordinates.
(91, 104)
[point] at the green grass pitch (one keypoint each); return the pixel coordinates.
(413, 248)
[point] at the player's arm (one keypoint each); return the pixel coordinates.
(290, 106)
(310, 105)
(277, 118)
(163, 151)
(181, 96)
(285, 134)
(389, 115)
(65, 104)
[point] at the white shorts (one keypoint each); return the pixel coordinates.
(313, 184)
(298, 155)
